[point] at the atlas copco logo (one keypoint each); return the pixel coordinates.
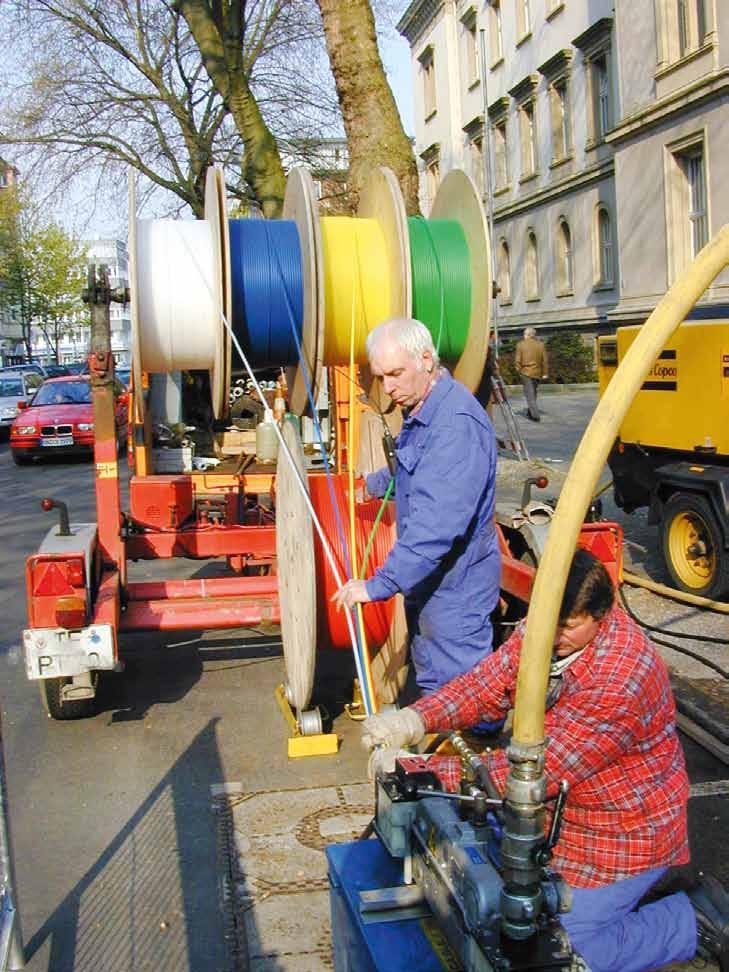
(664, 371)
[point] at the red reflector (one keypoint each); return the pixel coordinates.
(47, 504)
(542, 482)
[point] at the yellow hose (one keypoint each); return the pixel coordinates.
(683, 596)
(581, 481)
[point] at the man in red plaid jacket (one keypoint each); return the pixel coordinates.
(611, 733)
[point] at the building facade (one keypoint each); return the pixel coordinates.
(114, 254)
(588, 127)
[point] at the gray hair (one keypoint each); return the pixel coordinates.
(530, 332)
(411, 335)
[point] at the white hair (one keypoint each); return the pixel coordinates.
(530, 332)
(411, 335)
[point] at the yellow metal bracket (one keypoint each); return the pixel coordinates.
(320, 744)
(355, 709)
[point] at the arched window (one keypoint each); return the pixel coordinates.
(531, 276)
(605, 255)
(565, 267)
(504, 273)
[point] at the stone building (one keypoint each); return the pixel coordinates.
(589, 126)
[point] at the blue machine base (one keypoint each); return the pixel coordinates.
(389, 946)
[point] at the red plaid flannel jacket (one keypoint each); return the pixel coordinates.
(611, 734)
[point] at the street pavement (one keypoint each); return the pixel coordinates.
(122, 838)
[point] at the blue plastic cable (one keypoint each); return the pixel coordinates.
(262, 253)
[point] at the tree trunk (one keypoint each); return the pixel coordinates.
(375, 135)
(217, 28)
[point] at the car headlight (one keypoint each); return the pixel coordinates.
(85, 426)
(24, 430)
(9, 412)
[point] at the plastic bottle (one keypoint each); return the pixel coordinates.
(266, 439)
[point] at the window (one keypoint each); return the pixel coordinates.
(556, 72)
(476, 152)
(531, 277)
(470, 41)
(503, 273)
(595, 45)
(525, 96)
(433, 179)
(605, 273)
(562, 138)
(523, 20)
(565, 269)
(496, 40)
(601, 83)
(501, 158)
(528, 133)
(692, 165)
(682, 28)
(427, 67)
(687, 212)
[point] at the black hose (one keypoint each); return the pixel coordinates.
(678, 634)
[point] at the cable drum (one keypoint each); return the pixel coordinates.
(441, 271)
(267, 289)
(178, 317)
(357, 284)
(332, 626)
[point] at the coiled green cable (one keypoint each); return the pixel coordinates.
(373, 531)
(441, 271)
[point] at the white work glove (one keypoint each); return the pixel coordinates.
(382, 761)
(392, 730)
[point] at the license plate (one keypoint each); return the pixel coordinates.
(57, 440)
(54, 652)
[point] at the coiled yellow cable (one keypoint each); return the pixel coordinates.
(357, 286)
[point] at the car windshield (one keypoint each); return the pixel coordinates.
(10, 387)
(63, 393)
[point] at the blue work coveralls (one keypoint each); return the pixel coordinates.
(446, 560)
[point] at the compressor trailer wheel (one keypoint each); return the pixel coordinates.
(693, 546)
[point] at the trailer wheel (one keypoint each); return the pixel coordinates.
(693, 547)
(50, 693)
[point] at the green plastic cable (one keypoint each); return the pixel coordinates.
(441, 270)
(383, 504)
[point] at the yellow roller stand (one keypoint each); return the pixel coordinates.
(580, 486)
(356, 274)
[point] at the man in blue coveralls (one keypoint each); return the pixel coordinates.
(446, 560)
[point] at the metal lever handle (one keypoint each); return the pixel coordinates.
(554, 830)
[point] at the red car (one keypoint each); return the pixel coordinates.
(60, 419)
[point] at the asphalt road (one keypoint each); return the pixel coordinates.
(116, 844)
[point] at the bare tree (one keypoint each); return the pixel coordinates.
(375, 135)
(104, 86)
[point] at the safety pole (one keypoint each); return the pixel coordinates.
(12, 957)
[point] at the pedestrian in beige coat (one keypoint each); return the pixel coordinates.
(533, 366)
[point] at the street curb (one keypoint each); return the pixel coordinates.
(549, 389)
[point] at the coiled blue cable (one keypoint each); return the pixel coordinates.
(264, 254)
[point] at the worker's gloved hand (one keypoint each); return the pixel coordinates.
(382, 761)
(392, 730)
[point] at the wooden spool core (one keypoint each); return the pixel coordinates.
(458, 199)
(296, 573)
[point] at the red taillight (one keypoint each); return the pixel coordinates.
(76, 573)
(71, 612)
(542, 482)
(47, 504)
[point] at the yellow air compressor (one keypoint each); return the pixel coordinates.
(672, 451)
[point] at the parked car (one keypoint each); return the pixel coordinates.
(16, 390)
(78, 367)
(35, 369)
(57, 370)
(123, 375)
(60, 419)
